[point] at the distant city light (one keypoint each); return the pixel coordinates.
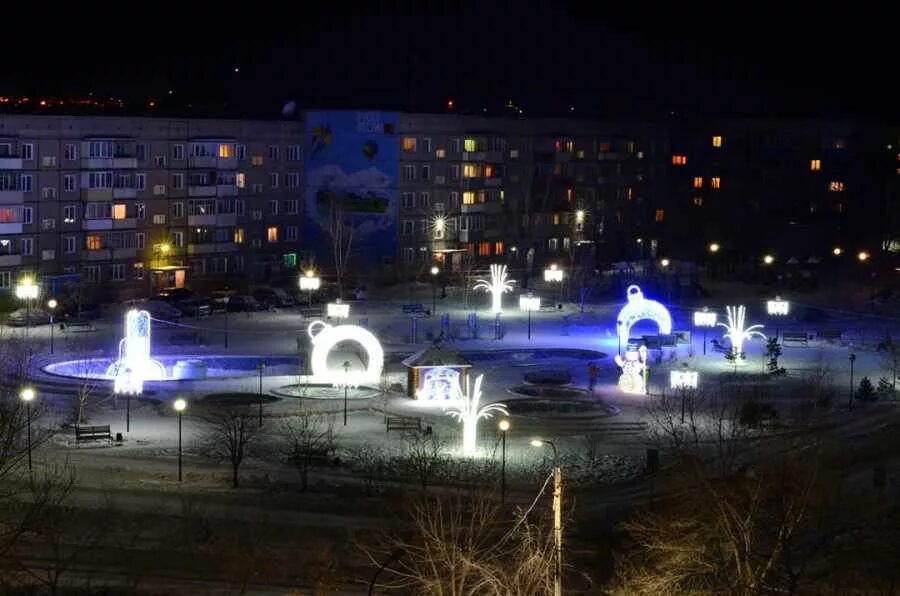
(579, 216)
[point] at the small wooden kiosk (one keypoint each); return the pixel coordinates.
(433, 371)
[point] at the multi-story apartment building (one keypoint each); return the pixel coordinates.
(122, 206)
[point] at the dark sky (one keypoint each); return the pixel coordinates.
(608, 61)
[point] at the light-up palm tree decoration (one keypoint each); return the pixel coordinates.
(737, 333)
(468, 413)
(499, 285)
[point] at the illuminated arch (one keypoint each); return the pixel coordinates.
(329, 336)
(639, 308)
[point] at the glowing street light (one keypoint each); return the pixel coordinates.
(557, 515)
(338, 310)
(179, 406)
(705, 319)
(837, 251)
(27, 395)
(434, 273)
(51, 306)
(714, 247)
(664, 263)
(528, 303)
(27, 291)
(768, 259)
(863, 256)
(504, 428)
(553, 273)
(309, 283)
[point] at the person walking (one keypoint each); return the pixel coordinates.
(593, 371)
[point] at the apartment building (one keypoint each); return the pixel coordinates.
(122, 206)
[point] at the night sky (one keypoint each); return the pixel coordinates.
(639, 62)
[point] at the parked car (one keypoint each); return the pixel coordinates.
(196, 307)
(160, 310)
(28, 316)
(236, 303)
(273, 297)
(175, 295)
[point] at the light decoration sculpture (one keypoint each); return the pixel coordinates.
(704, 318)
(737, 333)
(778, 307)
(529, 303)
(683, 379)
(497, 286)
(634, 370)
(468, 411)
(310, 282)
(439, 384)
(639, 308)
(338, 310)
(329, 336)
(553, 274)
(135, 366)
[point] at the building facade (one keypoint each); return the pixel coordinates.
(123, 206)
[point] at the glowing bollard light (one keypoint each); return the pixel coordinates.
(468, 411)
(529, 303)
(497, 286)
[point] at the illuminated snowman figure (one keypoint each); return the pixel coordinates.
(135, 365)
(634, 370)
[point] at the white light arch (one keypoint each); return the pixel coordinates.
(639, 308)
(329, 336)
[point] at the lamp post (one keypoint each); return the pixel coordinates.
(434, 274)
(225, 300)
(179, 405)
(260, 367)
(504, 427)
(27, 395)
(51, 305)
(528, 303)
(557, 515)
(309, 283)
(553, 274)
(27, 291)
(850, 401)
(704, 319)
(346, 385)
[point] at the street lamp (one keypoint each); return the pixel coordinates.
(768, 259)
(309, 283)
(850, 402)
(705, 319)
(504, 427)
(51, 305)
(664, 263)
(683, 379)
(260, 367)
(346, 386)
(27, 290)
(863, 256)
(225, 300)
(27, 395)
(338, 309)
(554, 275)
(557, 514)
(837, 251)
(529, 303)
(179, 405)
(714, 247)
(434, 274)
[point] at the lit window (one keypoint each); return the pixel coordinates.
(93, 242)
(679, 160)
(409, 144)
(240, 180)
(556, 219)
(470, 170)
(440, 153)
(660, 215)
(836, 186)
(698, 201)
(569, 194)
(118, 211)
(239, 235)
(580, 154)
(604, 147)
(226, 150)
(629, 193)
(484, 249)
(468, 198)
(717, 141)
(488, 171)
(815, 165)
(557, 145)
(256, 160)
(715, 182)
(498, 248)
(570, 146)
(469, 145)
(698, 181)
(272, 234)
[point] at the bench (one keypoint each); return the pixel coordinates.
(313, 312)
(84, 434)
(830, 335)
(183, 338)
(795, 337)
(405, 423)
(413, 309)
(78, 325)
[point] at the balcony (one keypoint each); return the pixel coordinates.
(124, 193)
(202, 191)
(201, 220)
(226, 247)
(474, 156)
(124, 162)
(562, 157)
(218, 163)
(226, 220)
(205, 248)
(440, 180)
(124, 253)
(472, 183)
(103, 254)
(226, 190)
(9, 197)
(493, 156)
(97, 194)
(105, 163)
(493, 182)
(10, 260)
(10, 163)
(473, 208)
(92, 225)
(128, 223)
(11, 228)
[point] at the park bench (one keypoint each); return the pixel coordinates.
(84, 434)
(830, 335)
(312, 312)
(184, 338)
(717, 346)
(795, 337)
(404, 423)
(413, 309)
(79, 325)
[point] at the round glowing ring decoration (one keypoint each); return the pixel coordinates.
(328, 337)
(639, 308)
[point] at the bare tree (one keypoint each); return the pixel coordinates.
(230, 433)
(467, 265)
(341, 231)
(423, 457)
(371, 462)
(87, 385)
(308, 438)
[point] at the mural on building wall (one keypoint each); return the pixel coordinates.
(350, 162)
